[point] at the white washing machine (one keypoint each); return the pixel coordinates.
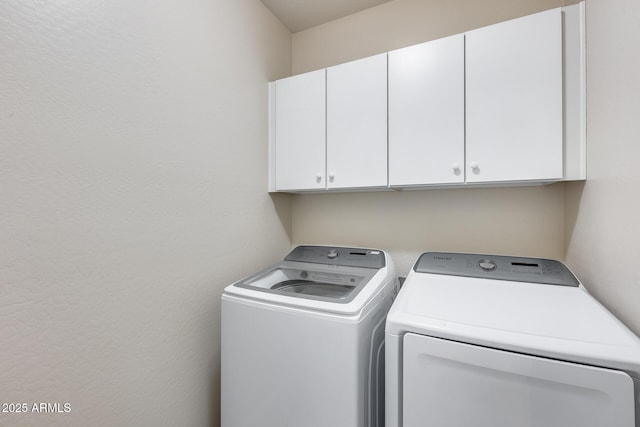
(303, 341)
(496, 341)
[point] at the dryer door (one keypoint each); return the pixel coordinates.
(450, 384)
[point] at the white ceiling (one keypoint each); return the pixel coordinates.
(299, 15)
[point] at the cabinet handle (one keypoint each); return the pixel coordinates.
(318, 177)
(455, 167)
(473, 165)
(332, 176)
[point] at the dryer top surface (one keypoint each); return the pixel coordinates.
(561, 322)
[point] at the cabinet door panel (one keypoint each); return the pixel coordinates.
(300, 132)
(514, 100)
(357, 123)
(426, 113)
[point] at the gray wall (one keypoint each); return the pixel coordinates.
(133, 141)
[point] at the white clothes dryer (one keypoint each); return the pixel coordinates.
(497, 341)
(303, 341)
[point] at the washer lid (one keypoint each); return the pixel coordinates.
(334, 284)
(328, 279)
(561, 322)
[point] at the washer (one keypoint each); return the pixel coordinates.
(303, 341)
(497, 341)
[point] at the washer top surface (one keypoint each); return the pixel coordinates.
(560, 320)
(335, 279)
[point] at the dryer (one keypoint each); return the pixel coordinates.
(497, 341)
(303, 341)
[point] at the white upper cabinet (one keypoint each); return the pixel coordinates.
(514, 100)
(300, 132)
(575, 93)
(500, 105)
(426, 113)
(357, 124)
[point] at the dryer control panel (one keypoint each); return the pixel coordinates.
(496, 267)
(335, 255)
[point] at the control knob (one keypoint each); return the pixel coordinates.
(332, 254)
(487, 265)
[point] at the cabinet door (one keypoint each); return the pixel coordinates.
(426, 113)
(514, 100)
(357, 123)
(300, 132)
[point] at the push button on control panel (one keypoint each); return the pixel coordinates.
(487, 265)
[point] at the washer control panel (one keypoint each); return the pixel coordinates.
(351, 257)
(497, 267)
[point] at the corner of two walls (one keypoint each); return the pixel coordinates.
(602, 214)
(592, 225)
